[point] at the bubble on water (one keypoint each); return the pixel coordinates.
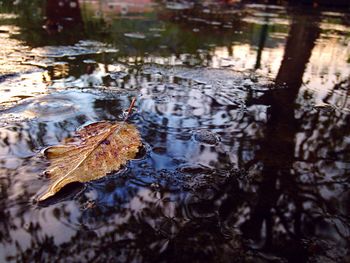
(118, 75)
(227, 26)
(156, 29)
(89, 61)
(73, 4)
(214, 23)
(135, 35)
(223, 88)
(178, 6)
(90, 43)
(52, 107)
(60, 51)
(195, 169)
(10, 118)
(124, 10)
(8, 16)
(155, 186)
(324, 107)
(163, 99)
(40, 62)
(206, 137)
(83, 47)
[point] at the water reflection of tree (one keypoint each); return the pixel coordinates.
(278, 144)
(282, 196)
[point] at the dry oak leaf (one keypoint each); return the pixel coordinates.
(95, 150)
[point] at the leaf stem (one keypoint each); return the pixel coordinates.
(130, 108)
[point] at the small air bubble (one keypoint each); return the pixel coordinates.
(73, 4)
(206, 137)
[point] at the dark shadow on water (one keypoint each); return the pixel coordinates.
(68, 192)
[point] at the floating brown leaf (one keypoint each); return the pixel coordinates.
(95, 151)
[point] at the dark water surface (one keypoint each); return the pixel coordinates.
(243, 110)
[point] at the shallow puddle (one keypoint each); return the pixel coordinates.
(243, 112)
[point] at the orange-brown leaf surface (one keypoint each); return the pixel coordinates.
(96, 150)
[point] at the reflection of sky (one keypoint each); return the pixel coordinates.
(327, 66)
(244, 58)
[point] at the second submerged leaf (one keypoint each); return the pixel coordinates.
(96, 150)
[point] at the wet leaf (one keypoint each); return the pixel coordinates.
(95, 151)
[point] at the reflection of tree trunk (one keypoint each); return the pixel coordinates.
(277, 148)
(262, 40)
